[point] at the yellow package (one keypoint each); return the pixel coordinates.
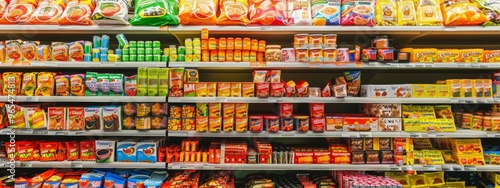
(45, 83)
(443, 90)
(455, 87)
(471, 55)
(431, 91)
(424, 55)
(417, 180)
(487, 87)
(12, 79)
(448, 156)
(433, 157)
(29, 84)
(447, 56)
(429, 13)
(17, 119)
(436, 178)
(467, 87)
(477, 88)
(406, 13)
(413, 125)
(399, 177)
(386, 13)
(419, 90)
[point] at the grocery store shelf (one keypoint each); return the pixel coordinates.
(83, 164)
(44, 132)
(67, 64)
(294, 134)
(333, 100)
(106, 99)
(76, 29)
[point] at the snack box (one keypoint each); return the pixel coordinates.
(142, 82)
(390, 124)
(448, 56)
(376, 91)
(75, 119)
(419, 90)
(334, 123)
(176, 82)
(491, 56)
(105, 150)
(383, 110)
(111, 116)
(147, 150)
(56, 118)
(93, 117)
(402, 91)
(471, 55)
(163, 81)
(153, 83)
(126, 150)
(360, 124)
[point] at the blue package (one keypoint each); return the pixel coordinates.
(124, 173)
(91, 180)
(152, 183)
(113, 180)
(134, 180)
(159, 175)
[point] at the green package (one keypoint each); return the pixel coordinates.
(103, 82)
(155, 13)
(91, 85)
(153, 81)
(163, 82)
(142, 81)
(116, 84)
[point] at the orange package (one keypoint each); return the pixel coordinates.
(48, 12)
(19, 12)
(461, 12)
(198, 12)
(267, 12)
(77, 13)
(233, 12)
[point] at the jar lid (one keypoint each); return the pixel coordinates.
(273, 46)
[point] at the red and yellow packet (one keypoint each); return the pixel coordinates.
(233, 12)
(19, 12)
(77, 12)
(198, 12)
(48, 12)
(267, 12)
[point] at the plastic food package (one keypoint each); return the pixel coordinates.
(48, 12)
(77, 13)
(3, 6)
(109, 12)
(406, 13)
(19, 12)
(325, 12)
(198, 12)
(358, 12)
(386, 13)
(156, 13)
(233, 12)
(461, 12)
(491, 9)
(429, 13)
(267, 12)
(299, 12)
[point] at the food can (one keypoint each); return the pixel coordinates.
(245, 55)
(369, 54)
(273, 53)
(330, 41)
(247, 44)
(196, 42)
(87, 57)
(149, 51)
(125, 58)
(288, 55)
(254, 46)
(133, 58)
(222, 43)
(238, 44)
(196, 58)
(104, 58)
(156, 51)
(156, 44)
(149, 58)
(189, 57)
(253, 56)
(87, 48)
(230, 43)
(262, 46)
(381, 41)
(125, 51)
(300, 40)
(214, 56)
(140, 44)
(260, 56)
(205, 56)
(343, 55)
(181, 57)
(315, 41)
(302, 55)
(189, 51)
(205, 44)
(132, 51)
(164, 58)
(316, 55)
(141, 57)
(197, 50)
(229, 55)
(140, 51)
(181, 50)
(237, 55)
(148, 44)
(330, 55)
(132, 44)
(221, 56)
(122, 40)
(119, 52)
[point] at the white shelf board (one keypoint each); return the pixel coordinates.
(82, 29)
(43, 132)
(82, 99)
(67, 64)
(332, 100)
(84, 164)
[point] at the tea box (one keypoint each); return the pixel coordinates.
(126, 150)
(147, 150)
(93, 117)
(111, 116)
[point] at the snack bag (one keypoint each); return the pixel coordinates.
(12, 78)
(299, 12)
(429, 13)
(45, 84)
(77, 12)
(29, 50)
(19, 12)
(233, 12)
(267, 12)
(406, 13)
(198, 12)
(461, 12)
(13, 51)
(110, 12)
(491, 9)
(156, 13)
(357, 12)
(353, 82)
(325, 12)
(48, 12)
(386, 13)
(3, 7)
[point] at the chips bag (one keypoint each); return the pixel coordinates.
(357, 12)
(462, 12)
(325, 12)
(267, 12)
(48, 12)
(386, 13)
(77, 12)
(111, 12)
(198, 12)
(299, 12)
(3, 6)
(156, 13)
(233, 12)
(491, 9)
(406, 13)
(429, 13)
(19, 12)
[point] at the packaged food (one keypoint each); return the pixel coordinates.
(111, 116)
(299, 12)
(471, 55)
(93, 118)
(19, 12)
(142, 82)
(115, 84)
(176, 82)
(143, 123)
(358, 12)
(60, 51)
(130, 85)
(13, 52)
(155, 13)
(325, 12)
(490, 56)
(267, 12)
(302, 55)
(91, 84)
(77, 12)
(447, 56)
(386, 13)
(48, 12)
(63, 85)
(406, 13)
(198, 12)
(353, 79)
(491, 9)
(48, 151)
(44, 53)
(256, 124)
(56, 118)
(214, 124)
(462, 12)
(75, 51)
(45, 83)
(429, 13)
(29, 84)
(103, 83)
(29, 50)
(301, 123)
(109, 12)
(87, 149)
(36, 117)
(233, 12)
(302, 88)
(75, 121)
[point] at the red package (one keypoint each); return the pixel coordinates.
(301, 123)
(256, 124)
(48, 151)
(162, 153)
(272, 123)
(285, 109)
(286, 124)
(326, 92)
(318, 124)
(87, 149)
(317, 110)
(19, 11)
(25, 150)
(277, 89)
(268, 12)
(289, 88)
(61, 151)
(302, 89)
(73, 151)
(36, 151)
(262, 90)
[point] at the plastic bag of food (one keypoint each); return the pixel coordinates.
(429, 13)
(461, 12)
(3, 6)
(406, 13)
(357, 12)
(386, 13)
(299, 12)
(491, 9)
(233, 12)
(325, 12)
(77, 12)
(156, 13)
(19, 12)
(110, 12)
(198, 12)
(48, 12)
(267, 12)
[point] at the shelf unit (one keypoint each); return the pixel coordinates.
(83, 164)
(98, 65)
(347, 100)
(44, 132)
(101, 99)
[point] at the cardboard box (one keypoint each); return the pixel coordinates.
(402, 91)
(360, 124)
(105, 150)
(126, 150)
(163, 81)
(111, 116)
(390, 124)
(147, 150)
(93, 118)
(376, 91)
(153, 82)
(142, 81)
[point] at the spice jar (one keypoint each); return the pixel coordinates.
(273, 53)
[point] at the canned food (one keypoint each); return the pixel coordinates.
(181, 50)
(288, 55)
(315, 41)
(196, 42)
(253, 56)
(133, 58)
(245, 55)
(237, 55)
(381, 42)
(247, 44)
(222, 44)
(343, 55)
(141, 57)
(149, 51)
(125, 58)
(262, 46)
(214, 56)
(330, 41)
(254, 46)
(205, 55)
(156, 58)
(230, 43)
(140, 51)
(330, 55)
(369, 55)
(149, 58)
(156, 44)
(229, 55)
(300, 40)
(302, 55)
(316, 55)
(222, 56)
(238, 44)
(181, 57)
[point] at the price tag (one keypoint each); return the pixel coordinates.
(26, 131)
(31, 99)
(435, 135)
(470, 168)
(464, 65)
(76, 165)
(7, 131)
(365, 134)
(175, 167)
(418, 65)
(55, 132)
(272, 100)
(258, 64)
(345, 135)
(177, 133)
(447, 168)
(493, 135)
(395, 168)
(76, 132)
(223, 99)
(415, 135)
(430, 168)
(406, 168)
(26, 164)
(174, 99)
